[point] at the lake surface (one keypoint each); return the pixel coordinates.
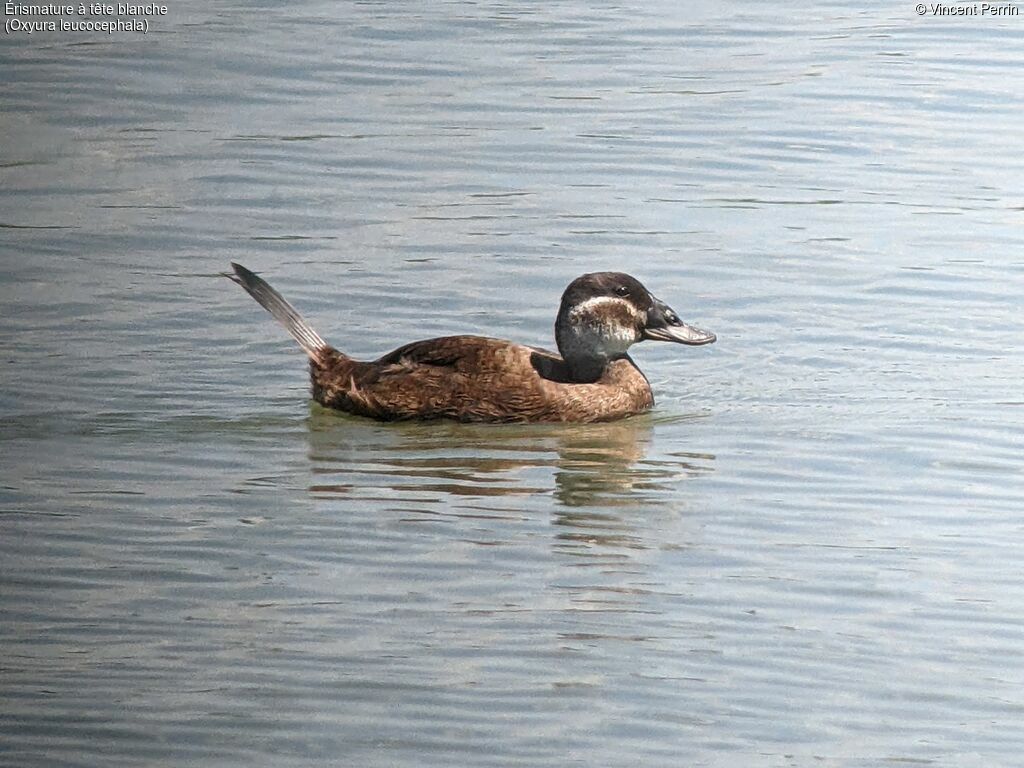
(809, 553)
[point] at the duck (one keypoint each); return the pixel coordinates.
(469, 378)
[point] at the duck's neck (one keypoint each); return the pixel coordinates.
(586, 370)
(585, 358)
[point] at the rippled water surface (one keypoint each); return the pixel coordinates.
(809, 553)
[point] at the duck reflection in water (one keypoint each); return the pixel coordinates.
(602, 465)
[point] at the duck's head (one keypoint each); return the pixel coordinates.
(604, 313)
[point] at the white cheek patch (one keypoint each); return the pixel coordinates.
(605, 324)
(617, 339)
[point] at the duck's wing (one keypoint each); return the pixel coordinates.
(470, 378)
(471, 355)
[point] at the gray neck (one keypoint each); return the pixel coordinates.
(586, 370)
(584, 356)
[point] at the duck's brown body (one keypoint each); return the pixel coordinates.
(473, 378)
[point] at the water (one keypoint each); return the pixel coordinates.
(807, 554)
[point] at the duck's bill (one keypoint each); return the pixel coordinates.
(680, 334)
(663, 324)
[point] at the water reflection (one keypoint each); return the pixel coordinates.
(579, 465)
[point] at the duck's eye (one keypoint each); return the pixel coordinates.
(621, 290)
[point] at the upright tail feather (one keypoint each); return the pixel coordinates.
(285, 313)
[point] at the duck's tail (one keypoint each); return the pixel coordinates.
(285, 313)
